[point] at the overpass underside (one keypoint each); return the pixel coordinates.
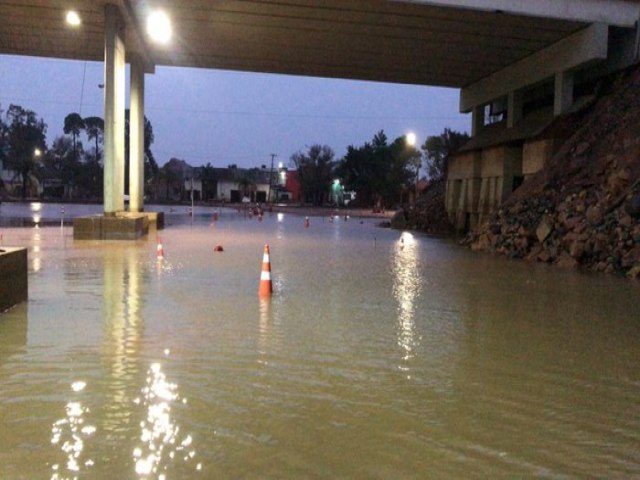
(521, 61)
(521, 116)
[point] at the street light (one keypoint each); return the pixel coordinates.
(159, 27)
(73, 18)
(411, 139)
(37, 152)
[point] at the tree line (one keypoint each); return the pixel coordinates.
(75, 171)
(379, 171)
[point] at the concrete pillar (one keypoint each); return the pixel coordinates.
(114, 97)
(477, 120)
(514, 108)
(563, 92)
(136, 138)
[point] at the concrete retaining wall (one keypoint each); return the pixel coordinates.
(14, 287)
(479, 181)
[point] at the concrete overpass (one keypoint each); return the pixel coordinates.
(500, 53)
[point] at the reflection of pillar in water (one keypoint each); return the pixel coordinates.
(406, 289)
(121, 309)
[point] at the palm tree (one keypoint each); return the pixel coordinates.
(74, 124)
(95, 131)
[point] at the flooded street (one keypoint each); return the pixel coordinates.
(380, 355)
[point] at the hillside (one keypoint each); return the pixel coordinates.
(583, 209)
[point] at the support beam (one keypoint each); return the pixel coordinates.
(562, 93)
(114, 98)
(514, 108)
(136, 137)
(477, 120)
(621, 13)
(585, 46)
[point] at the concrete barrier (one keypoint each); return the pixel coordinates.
(14, 287)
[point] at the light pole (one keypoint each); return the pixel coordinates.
(273, 155)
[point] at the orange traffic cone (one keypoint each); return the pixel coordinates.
(266, 289)
(159, 251)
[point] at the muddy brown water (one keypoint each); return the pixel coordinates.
(380, 355)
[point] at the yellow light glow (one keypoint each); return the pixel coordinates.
(411, 139)
(73, 18)
(159, 26)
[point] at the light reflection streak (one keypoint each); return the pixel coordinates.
(159, 434)
(263, 327)
(123, 332)
(406, 289)
(71, 433)
(36, 257)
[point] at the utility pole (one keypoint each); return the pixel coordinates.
(273, 155)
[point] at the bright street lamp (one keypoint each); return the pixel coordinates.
(73, 18)
(159, 26)
(411, 139)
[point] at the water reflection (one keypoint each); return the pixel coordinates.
(13, 332)
(70, 433)
(161, 445)
(263, 328)
(123, 324)
(406, 289)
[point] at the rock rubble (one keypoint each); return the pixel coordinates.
(583, 209)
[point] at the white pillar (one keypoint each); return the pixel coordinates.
(563, 92)
(477, 119)
(514, 108)
(114, 97)
(136, 137)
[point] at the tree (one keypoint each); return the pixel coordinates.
(247, 186)
(74, 124)
(378, 171)
(25, 142)
(438, 148)
(94, 127)
(4, 139)
(60, 164)
(209, 181)
(315, 172)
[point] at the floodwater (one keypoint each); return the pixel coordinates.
(381, 355)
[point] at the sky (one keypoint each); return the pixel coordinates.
(225, 117)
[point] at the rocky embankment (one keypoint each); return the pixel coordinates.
(583, 209)
(428, 214)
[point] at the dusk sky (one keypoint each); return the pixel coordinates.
(226, 117)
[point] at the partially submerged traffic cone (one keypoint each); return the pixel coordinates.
(266, 289)
(159, 251)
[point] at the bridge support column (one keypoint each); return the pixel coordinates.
(563, 92)
(477, 120)
(514, 108)
(136, 137)
(114, 99)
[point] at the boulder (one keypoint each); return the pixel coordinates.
(566, 261)
(632, 206)
(544, 228)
